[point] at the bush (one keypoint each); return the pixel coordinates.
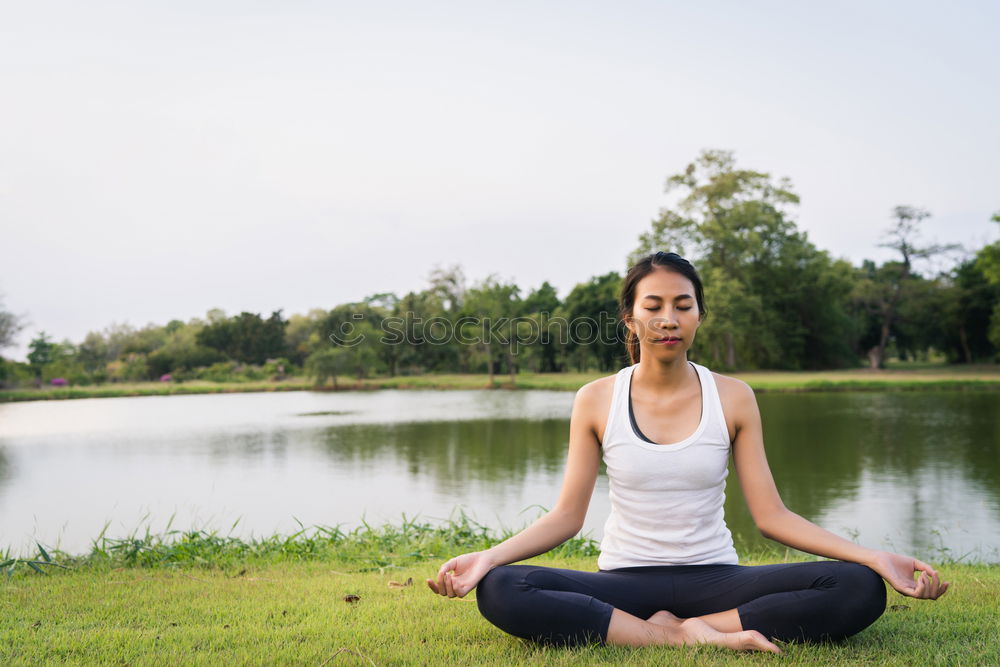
(328, 363)
(224, 371)
(249, 372)
(131, 369)
(15, 374)
(72, 371)
(171, 359)
(277, 369)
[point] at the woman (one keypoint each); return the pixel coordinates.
(668, 573)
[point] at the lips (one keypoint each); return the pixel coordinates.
(669, 340)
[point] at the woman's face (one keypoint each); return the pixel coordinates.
(665, 316)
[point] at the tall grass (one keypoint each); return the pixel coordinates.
(366, 548)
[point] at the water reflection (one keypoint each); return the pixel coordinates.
(494, 450)
(916, 472)
(909, 471)
(5, 467)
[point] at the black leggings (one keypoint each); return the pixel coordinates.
(792, 601)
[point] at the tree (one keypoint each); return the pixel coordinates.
(988, 263)
(493, 305)
(181, 352)
(883, 290)
(381, 307)
(969, 309)
(10, 326)
(247, 337)
(328, 363)
(448, 284)
(772, 298)
(303, 334)
(404, 340)
(356, 326)
(543, 299)
(41, 352)
(540, 306)
(93, 352)
(146, 340)
(117, 337)
(594, 330)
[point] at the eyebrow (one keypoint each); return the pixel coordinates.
(660, 298)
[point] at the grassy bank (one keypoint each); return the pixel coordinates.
(118, 390)
(920, 378)
(195, 598)
(295, 613)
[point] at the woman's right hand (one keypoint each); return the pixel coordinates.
(461, 574)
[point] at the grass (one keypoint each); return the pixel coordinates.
(366, 548)
(916, 377)
(197, 598)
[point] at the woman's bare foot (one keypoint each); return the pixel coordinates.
(697, 631)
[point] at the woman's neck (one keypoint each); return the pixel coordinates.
(662, 375)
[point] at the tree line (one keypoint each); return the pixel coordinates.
(774, 301)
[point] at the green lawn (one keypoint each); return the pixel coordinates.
(295, 613)
(198, 598)
(899, 378)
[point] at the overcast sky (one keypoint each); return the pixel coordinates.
(158, 159)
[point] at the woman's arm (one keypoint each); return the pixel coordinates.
(461, 574)
(778, 523)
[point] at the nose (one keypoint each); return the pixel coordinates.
(666, 320)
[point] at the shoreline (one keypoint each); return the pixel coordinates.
(404, 543)
(980, 378)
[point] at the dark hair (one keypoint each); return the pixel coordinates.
(668, 260)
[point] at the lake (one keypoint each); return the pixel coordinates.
(913, 472)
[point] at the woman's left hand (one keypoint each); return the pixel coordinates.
(899, 570)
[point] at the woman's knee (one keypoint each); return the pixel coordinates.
(498, 591)
(862, 597)
(868, 587)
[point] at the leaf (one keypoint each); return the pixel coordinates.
(34, 566)
(45, 554)
(8, 562)
(396, 584)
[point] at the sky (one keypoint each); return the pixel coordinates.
(159, 159)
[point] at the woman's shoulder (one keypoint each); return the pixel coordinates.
(593, 401)
(733, 392)
(595, 397)
(596, 391)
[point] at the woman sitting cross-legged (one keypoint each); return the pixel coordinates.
(668, 572)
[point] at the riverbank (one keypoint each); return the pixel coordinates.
(329, 597)
(919, 378)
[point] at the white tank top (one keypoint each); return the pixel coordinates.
(666, 500)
